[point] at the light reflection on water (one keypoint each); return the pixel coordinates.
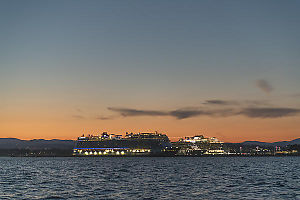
(150, 178)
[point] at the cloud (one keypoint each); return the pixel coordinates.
(78, 116)
(220, 102)
(251, 112)
(186, 113)
(251, 103)
(179, 113)
(269, 112)
(126, 112)
(264, 85)
(234, 103)
(105, 117)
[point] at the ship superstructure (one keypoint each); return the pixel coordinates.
(133, 144)
(198, 146)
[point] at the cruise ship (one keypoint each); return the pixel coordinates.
(199, 145)
(133, 144)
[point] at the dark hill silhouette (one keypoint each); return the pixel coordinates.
(14, 143)
(280, 143)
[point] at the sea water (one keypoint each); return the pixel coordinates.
(150, 178)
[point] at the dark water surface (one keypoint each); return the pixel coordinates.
(150, 178)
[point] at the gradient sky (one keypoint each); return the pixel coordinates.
(229, 69)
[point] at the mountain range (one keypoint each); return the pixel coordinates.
(280, 143)
(14, 143)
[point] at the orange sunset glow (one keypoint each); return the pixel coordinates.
(48, 124)
(213, 70)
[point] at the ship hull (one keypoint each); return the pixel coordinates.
(124, 147)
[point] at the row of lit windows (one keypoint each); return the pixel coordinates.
(111, 151)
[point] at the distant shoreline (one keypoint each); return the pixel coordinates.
(70, 156)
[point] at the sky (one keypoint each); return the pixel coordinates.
(228, 69)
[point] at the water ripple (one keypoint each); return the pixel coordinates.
(150, 178)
